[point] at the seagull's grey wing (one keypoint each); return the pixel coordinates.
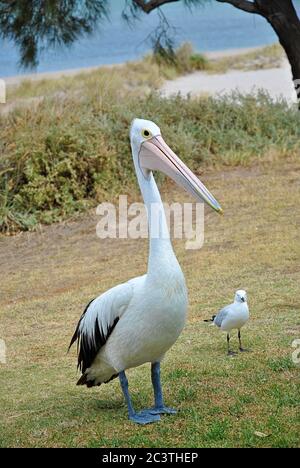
(221, 315)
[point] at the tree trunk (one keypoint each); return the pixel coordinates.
(283, 18)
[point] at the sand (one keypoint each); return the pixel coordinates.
(276, 81)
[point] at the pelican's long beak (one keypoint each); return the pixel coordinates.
(155, 154)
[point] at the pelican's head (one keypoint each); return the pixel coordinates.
(153, 153)
(240, 296)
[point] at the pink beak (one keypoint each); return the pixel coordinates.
(155, 155)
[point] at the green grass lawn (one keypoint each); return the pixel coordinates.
(48, 276)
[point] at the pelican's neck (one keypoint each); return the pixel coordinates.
(160, 247)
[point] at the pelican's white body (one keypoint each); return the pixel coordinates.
(150, 325)
(151, 308)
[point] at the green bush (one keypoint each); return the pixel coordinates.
(181, 60)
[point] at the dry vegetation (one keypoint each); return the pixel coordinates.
(260, 59)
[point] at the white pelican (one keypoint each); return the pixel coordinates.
(233, 316)
(138, 321)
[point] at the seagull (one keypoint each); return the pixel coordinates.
(233, 316)
(138, 321)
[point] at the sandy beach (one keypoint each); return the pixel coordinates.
(276, 81)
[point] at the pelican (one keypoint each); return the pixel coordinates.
(138, 321)
(233, 316)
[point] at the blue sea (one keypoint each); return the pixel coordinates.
(214, 26)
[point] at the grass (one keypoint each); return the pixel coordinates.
(70, 150)
(260, 59)
(223, 402)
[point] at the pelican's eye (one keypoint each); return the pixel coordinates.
(146, 133)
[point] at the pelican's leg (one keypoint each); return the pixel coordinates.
(240, 343)
(159, 407)
(229, 352)
(140, 418)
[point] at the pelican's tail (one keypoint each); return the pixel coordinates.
(210, 320)
(101, 371)
(84, 380)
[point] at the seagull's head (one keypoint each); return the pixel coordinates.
(150, 153)
(240, 296)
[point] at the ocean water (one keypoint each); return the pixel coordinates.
(215, 26)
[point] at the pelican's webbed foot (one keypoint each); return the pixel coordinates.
(144, 418)
(159, 410)
(140, 417)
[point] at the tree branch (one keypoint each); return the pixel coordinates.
(148, 6)
(244, 5)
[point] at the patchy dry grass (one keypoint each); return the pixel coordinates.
(48, 277)
(260, 59)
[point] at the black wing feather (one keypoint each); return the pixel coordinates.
(76, 335)
(88, 349)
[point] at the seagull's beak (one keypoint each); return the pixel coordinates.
(155, 154)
